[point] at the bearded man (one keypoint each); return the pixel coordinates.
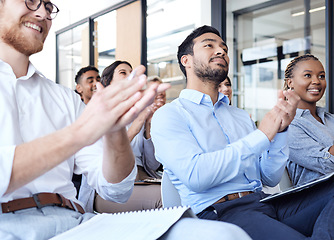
(218, 160)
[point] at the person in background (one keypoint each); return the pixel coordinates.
(225, 87)
(311, 133)
(217, 159)
(86, 80)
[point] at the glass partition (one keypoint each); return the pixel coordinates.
(72, 51)
(168, 24)
(105, 44)
(266, 40)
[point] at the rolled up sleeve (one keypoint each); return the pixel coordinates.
(6, 164)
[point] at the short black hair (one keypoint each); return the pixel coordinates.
(108, 72)
(186, 46)
(82, 71)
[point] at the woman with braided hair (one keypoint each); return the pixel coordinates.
(311, 133)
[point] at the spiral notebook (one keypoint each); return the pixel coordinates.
(145, 225)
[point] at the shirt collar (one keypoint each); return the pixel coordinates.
(31, 70)
(199, 97)
(320, 111)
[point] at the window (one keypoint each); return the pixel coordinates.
(169, 22)
(72, 51)
(267, 39)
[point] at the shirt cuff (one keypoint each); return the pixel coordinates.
(6, 165)
(257, 141)
(279, 141)
(117, 192)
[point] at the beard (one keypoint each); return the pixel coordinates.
(208, 74)
(13, 36)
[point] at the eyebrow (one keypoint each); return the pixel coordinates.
(91, 77)
(123, 69)
(214, 40)
(312, 71)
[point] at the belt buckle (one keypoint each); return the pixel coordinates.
(73, 205)
(36, 199)
(40, 205)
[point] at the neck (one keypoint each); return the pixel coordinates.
(312, 107)
(18, 61)
(209, 88)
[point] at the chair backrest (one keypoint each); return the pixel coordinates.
(169, 195)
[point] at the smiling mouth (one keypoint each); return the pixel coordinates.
(33, 26)
(314, 90)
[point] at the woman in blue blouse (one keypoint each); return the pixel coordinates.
(311, 133)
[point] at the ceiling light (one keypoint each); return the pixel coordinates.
(310, 11)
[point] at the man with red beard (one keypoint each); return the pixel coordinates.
(47, 134)
(218, 160)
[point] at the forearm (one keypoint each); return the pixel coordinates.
(35, 158)
(132, 132)
(273, 162)
(137, 124)
(118, 159)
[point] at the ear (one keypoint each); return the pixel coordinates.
(185, 60)
(290, 83)
(78, 88)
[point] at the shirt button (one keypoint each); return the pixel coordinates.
(327, 155)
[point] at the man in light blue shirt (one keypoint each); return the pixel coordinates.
(216, 157)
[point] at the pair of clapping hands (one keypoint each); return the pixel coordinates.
(281, 115)
(117, 105)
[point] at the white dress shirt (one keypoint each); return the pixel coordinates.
(33, 106)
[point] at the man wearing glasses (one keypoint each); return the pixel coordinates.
(47, 134)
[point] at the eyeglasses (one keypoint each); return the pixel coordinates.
(50, 8)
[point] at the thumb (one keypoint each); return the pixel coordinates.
(280, 94)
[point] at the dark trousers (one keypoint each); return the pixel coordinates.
(308, 214)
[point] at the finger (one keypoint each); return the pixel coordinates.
(280, 94)
(140, 70)
(163, 87)
(146, 99)
(99, 86)
(125, 108)
(283, 105)
(292, 97)
(118, 92)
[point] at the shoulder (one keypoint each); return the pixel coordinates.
(169, 109)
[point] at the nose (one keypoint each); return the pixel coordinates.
(221, 48)
(94, 82)
(42, 13)
(315, 80)
(219, 51)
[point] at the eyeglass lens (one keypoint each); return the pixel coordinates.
(34, 5)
